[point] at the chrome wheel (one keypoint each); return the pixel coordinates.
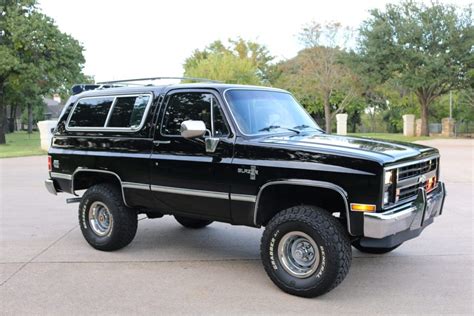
(298, 254)
(100, 219)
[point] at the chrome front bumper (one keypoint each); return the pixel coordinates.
(408, 217)
(49, 184)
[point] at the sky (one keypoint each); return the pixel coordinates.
(143, 38)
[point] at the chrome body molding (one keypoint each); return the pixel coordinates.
(59, 175)
(82, 169)
(307, 183)
(410, 216)
(243, 197)
(134, 185)
(183, 191)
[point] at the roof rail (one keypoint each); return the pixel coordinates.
(78, 88)
(159, 78)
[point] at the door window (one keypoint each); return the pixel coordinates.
(196, 106)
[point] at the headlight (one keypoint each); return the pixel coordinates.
(386, 197)
(388, 178)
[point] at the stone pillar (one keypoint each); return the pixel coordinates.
(447, 127)
(45, 128)
(418, 127)
(341, 124)
(408, 125)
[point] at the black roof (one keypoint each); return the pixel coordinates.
(158, 89)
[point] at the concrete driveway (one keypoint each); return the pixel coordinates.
(46, 267)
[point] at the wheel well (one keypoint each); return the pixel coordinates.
(276, 198)
(85, 179)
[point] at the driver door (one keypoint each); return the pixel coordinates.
(186, 179)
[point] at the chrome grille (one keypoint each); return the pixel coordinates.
(417, 169)
(408, 191)
(409, 177)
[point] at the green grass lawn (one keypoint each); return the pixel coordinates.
(396, 137)
(21, 144)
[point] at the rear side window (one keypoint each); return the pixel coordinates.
(91, 112)
(122, 112)
(128, 111)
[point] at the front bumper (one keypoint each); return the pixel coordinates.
(406, 221)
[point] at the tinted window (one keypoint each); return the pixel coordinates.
(91, 112)
(128, 111)
(220, 127)
(192, 106)
(259, 111)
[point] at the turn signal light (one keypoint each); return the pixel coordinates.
(430, 184)
(50, 164)
(362, 207)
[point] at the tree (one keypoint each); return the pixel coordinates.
(318, 71)
(36, 58)
(225, 67)
(239, 61)
(428, 49)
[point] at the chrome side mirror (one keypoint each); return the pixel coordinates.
(211, 144)
(192, 129)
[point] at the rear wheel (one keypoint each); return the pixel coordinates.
(106, 223)
(189, 222)
(305, 251)
(378, 251)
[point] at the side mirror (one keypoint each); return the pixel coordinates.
(192, 129)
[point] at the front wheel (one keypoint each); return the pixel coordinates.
(106, 223)
(377, 251)
(305, 251)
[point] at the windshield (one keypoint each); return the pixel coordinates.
(263, 112)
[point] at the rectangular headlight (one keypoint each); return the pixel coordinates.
(388, 177)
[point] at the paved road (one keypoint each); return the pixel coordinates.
(47, 267)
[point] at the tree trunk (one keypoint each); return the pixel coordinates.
(3, 114)
(12, 120)
(327, 113)
(424, 104)
(30, 118)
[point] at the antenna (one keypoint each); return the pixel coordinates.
(160, 78)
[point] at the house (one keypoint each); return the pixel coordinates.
(52, 108)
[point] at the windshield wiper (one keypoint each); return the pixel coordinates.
(269, 128)
(303, 126)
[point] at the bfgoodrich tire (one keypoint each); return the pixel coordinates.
(189, 222)
(106, 223)
(376, 251)
(305, 251)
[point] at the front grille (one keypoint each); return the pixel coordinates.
(409, 178)
(408, 191)
(417, 169)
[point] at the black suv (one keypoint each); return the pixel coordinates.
(242, 155)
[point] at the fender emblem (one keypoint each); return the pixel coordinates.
(252, 171)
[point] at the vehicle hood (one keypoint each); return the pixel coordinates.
(372, 149)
